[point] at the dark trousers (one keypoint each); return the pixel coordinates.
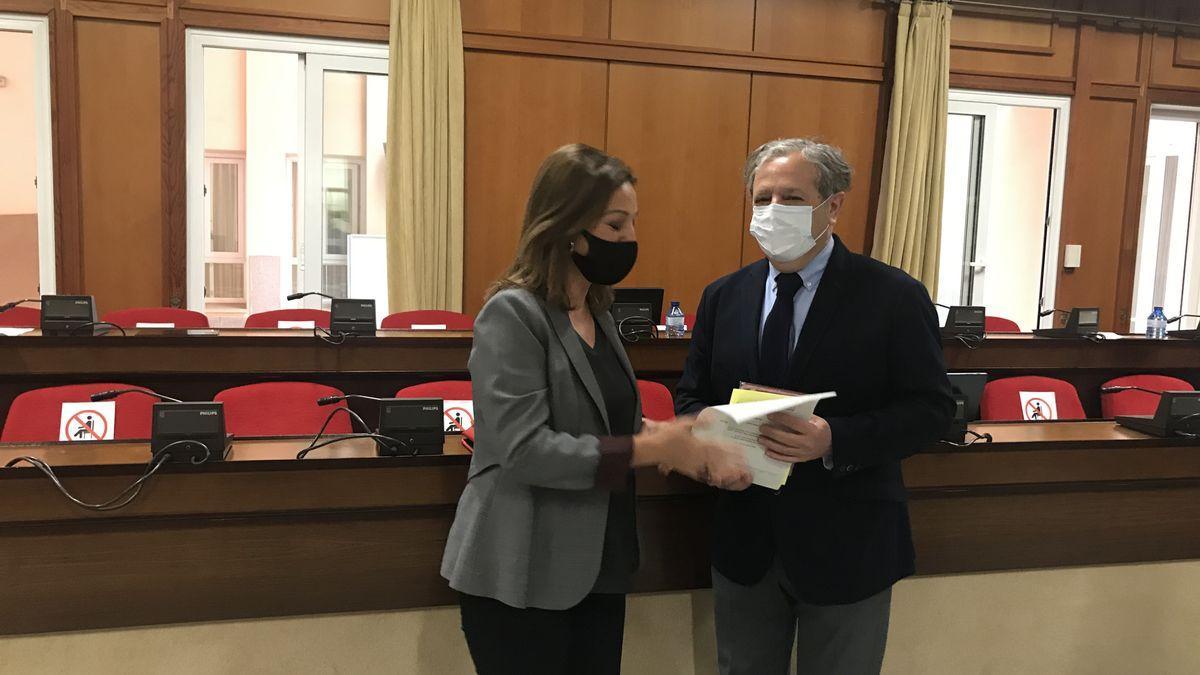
(584, 639)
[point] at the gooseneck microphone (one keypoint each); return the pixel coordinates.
(1128, 387)
(297, 296)
(330, 400)
(1169, 321)
(1052, 310)
(113, 393)
(9, 305)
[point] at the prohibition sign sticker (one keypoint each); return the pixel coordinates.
(83, 422)
(1039, 406)
(460, 416)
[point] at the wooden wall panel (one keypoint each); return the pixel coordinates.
(582, 18)
(362, 11)
(1176, 62)
(120, 161)
(716, 24)
(1094, 203)
(683, 131)
(851, 31)
(1011, 47)
(1115, 57)
(841, 113)
(519, 109)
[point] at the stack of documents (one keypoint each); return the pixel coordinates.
(738, 423)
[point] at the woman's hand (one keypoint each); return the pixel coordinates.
(672, 447)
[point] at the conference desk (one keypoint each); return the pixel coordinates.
(196, 367)
(263, 534)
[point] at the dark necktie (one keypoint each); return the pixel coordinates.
(776, 348)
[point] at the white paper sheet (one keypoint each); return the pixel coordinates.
(739, 423)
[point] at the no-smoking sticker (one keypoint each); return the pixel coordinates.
(84, 422)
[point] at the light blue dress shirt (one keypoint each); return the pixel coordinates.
(810, 276)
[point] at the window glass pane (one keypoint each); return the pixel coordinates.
(1167, 215)
(18, 168)
(354, 132)
(224, 281)
(958, 213)
(252, 109)
(225, 214)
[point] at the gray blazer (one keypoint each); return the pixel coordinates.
(529, 529)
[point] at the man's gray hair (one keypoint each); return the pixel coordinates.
(833, 173)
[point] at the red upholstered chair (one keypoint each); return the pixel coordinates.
(405, 320)
(1002, 398)
(657, 402)
(182, 318)
(34, 416)
(21, 317)
(271, 319)
(998, 324)
(281, 409)
(1138, 402)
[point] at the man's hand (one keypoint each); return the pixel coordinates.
(791, 439)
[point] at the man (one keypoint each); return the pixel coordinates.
(816, 561)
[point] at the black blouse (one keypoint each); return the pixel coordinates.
(620, 557)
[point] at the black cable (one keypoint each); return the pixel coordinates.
(327, 336)
(1187, 434)
(637, 332)
(126, 496)
(970, 341)
(976, 438)
(313, 445)
(379, 437)
(93, 324)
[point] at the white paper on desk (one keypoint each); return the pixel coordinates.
(9, 331)
(1111, 336)
(145, 324)
(307, 325)
(739, 423)
(428, 326)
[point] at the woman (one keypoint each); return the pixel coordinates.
(544, 542)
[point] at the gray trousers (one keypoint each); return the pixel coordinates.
(757, 625)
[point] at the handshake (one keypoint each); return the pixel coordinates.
(672, 447)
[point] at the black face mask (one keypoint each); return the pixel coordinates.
(607, 262)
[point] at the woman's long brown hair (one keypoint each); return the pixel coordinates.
(569, 195)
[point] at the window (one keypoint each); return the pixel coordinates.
(1167, 239)
(26, 181)
(1005, 160)
(225, 223)
(286, 147)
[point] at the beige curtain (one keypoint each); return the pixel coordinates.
(909, 222)
(425, 156)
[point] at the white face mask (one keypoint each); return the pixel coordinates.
(785, 232)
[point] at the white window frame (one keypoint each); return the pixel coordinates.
(963, 99)
(238, 159)
(317, 56)
(39, 26)
(1190, 297)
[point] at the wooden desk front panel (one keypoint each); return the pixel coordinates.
(267, 535)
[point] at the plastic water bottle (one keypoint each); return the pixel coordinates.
(1156, 325)
(675, 325)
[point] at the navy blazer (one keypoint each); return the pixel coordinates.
(872, 336)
